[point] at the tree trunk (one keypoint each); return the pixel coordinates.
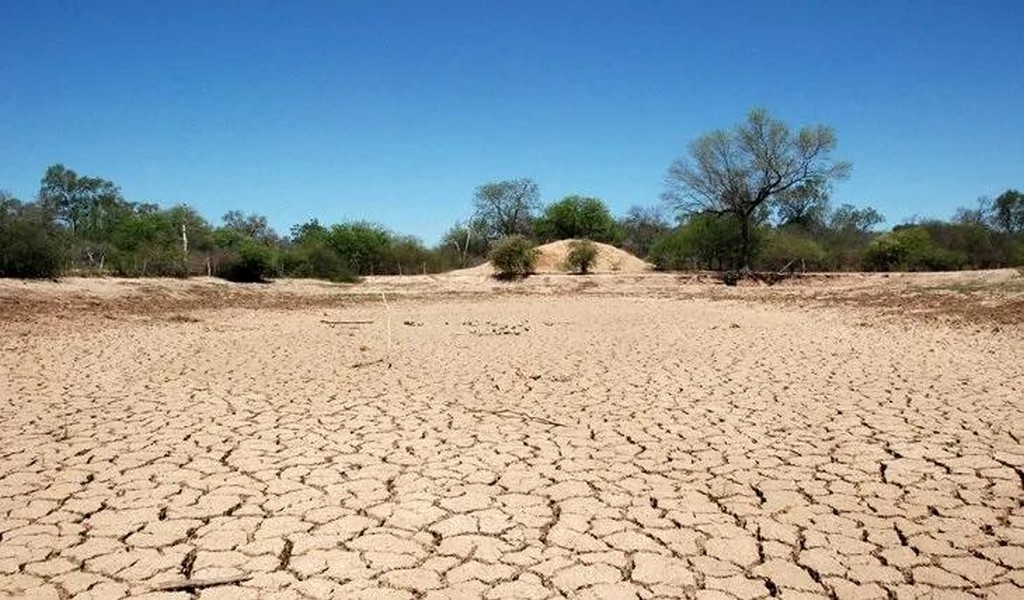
(745, 241)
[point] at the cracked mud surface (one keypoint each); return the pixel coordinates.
(517, 447)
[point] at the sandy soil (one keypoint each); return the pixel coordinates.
(551, 258)
(602, 437)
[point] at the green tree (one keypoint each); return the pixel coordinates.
(740, 172)
(578, 217)
(31, 243)
(704, 241)
(363, 247)
(90, 208)
(505, 208)
(238, 226)
(787, 247)
(969, 245)
(247, 248)
(84, 204)
(311, 256)
(1008, 211)
(145, 243)
(910, 248)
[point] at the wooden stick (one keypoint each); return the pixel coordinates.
(195, 584)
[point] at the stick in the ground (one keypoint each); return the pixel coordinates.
(387, 310)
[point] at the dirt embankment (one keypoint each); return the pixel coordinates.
(988, 297)
(551, 258)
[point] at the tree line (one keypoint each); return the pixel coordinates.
(753, 197)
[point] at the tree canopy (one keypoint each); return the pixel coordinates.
(577, 217)
(758, 163)
(505, 208)
(83, 225)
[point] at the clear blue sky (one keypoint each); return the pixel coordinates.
(395, 111)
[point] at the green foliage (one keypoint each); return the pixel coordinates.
(514, 257)
(31, 244)
(974, 245)
(409, 256)
(146, 243)
(783, 247)
(364, 247)
(703, 242)
(752, 168)
(249, 262)
(1008, 211)
(82, 224)
(247, 249)
(347, 250)
(311, 256)
(239, 226)
(316, 260)
(87, 205)
(910, 248)
(577, 217)
(582, 256)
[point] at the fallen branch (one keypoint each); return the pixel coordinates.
(326, 322)
(190, 585)
(368, 363)
(521, 415)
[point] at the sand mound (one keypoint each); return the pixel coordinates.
(552, 260)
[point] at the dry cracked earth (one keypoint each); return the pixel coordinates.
(512, 448)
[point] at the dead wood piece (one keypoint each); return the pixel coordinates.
(196, 584)
(370, 363)
(326, 322)
(515, 413)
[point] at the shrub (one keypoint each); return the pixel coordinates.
(582, 256)
(783, 248)
(514, 257)
(316, 261)
(31, 245)
(705, 241)
(910, 249)
(251, 263)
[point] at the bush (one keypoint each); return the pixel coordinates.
(316, 261)
(582, 256)
(910, 249)
(705, 241)
(782, 248)
(514, 257)
(251, 263)
(31, 246)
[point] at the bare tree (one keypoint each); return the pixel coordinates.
(742, 171)
(505, 208)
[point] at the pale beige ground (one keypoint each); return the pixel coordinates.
(571, 437)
